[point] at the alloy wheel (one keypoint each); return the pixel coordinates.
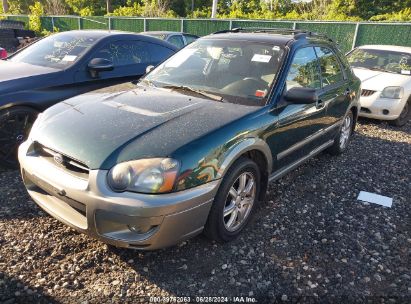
(345, 131)
(239, 202)
(14, 129)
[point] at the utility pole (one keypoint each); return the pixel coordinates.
(214, 9)
(5, 6)
(108, 5)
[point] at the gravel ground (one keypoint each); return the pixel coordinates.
(310, 241)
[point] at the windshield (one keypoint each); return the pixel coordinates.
(57, 51)
(239, 71)
(381, 60)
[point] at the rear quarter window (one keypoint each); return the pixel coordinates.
(331, 71)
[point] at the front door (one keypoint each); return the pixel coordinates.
(299, 126)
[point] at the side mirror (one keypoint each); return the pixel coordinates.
(149, 68)
(301, 95)
(97, 65)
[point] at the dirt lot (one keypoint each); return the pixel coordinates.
(310, 241)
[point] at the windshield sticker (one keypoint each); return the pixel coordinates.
(261, 58)
(69, 58)
(276, 48)
(405, 72)
(260, 93)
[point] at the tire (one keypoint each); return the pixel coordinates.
(342, 139)
(404, 116)
(226, 228)
(15, 125)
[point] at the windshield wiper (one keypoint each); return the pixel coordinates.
(199, 92)
(146, 81)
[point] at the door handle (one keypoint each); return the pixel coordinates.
(319, 104)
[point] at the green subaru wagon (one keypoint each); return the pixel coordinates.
(191, 147)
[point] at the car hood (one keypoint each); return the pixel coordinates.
(377, 80)
(26, 74)
(102, 129)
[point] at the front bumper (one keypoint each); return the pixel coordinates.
(89, 206)
(381, 108)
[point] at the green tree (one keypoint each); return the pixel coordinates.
(36, 11)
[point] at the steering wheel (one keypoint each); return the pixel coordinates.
(245, 87)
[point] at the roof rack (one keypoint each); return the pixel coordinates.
(296, 32)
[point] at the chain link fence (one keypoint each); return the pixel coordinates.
(346, 34)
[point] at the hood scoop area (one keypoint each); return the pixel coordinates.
(144, 112)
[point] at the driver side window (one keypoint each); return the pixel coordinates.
(304, 70)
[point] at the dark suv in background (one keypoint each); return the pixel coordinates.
(193, 145)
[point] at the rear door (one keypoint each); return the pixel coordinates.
(299, 125)
(336, 91)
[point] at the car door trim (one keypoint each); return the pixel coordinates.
(307, 140)
(283, 171)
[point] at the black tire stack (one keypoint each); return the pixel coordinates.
(8, 39)
(10, 31)
(11, 24)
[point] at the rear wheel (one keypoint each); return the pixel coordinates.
(404, 116)
(343, 137)
(235, 201)
(15, 125)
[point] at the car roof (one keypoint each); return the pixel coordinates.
(394, 48)
(279, 39)
(164, 33)
(96, 33)
(100, 34)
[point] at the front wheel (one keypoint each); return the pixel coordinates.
(235, 201)
(404, 116)
(344, 135)
(15, 125)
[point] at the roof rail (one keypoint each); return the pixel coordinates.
(298, 33)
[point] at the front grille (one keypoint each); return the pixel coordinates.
(367, 93)
(70, 165)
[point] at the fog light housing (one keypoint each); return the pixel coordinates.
(141, 229)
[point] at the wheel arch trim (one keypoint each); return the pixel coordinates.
(242, 147)
(20, 104)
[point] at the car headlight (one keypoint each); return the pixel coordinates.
(154, 175)
(392, 92)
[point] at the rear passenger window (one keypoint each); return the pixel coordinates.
(123, 53)
(304, 70)
(190, 38)
(158, 52)
(330, 67)
(177, 41)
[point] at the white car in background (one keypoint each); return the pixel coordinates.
(385, 73)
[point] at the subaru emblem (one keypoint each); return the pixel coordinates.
(58, 158)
